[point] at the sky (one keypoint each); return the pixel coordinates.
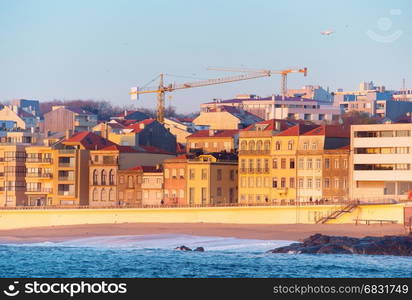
(99, 49)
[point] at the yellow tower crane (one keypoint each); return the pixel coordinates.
(283, 73)
(162, 89)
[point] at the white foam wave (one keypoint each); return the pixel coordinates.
(167, 241)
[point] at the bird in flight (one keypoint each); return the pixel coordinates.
(327, 32)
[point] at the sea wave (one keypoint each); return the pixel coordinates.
(164, 241)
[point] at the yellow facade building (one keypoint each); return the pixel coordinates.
(212, 179)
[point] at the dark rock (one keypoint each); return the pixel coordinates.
(318, 243)
(200, 249)
(183, 248)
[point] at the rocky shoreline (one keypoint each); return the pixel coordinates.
(324, 244)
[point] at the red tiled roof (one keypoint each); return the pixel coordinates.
(136, 126)
(120, 148)
(88, 140)
(217, 133)
(271, 124)
(152, 149)
(330, 131)
(298, 129)
(150, 169)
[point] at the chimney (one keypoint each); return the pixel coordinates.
(277, 125)
(125, 112)
(68, 134)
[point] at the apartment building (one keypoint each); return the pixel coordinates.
(267, 161)
(152, 185)
(213, 141)
(129, 186)
(12, 175)
(275, 107)
(212, 179)
(381, 161)
(62, 118)
(335, 173)
(175, 178)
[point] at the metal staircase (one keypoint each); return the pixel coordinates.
(337, 213)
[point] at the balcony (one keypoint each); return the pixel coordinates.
(66, 164)
(254, 152)
(67, 151)
(39, 190)
(66, 193)
(66, 178)
(40, 175)
(45, 160)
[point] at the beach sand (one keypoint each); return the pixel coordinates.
(296, 232)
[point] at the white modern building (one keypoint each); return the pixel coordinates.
(381, 160)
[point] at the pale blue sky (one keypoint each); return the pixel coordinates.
(99, 49)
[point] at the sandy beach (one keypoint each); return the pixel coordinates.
(296, 232)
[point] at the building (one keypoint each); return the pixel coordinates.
(180, 130)
(380, 162)
(13, 117)
(315, 92)
(152, 185)
(212, 179)
(131, 115)
(275, 107)
(213, 141)
(322, 164)
(146, 133)
(175, 178)
(113, 180)
(62, 118)
(12, 175)
(30, 106)
(225, 117)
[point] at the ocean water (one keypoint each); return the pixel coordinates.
(154, 256)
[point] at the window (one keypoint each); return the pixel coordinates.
(266, 163)
(344, 183)
(292, 182)
(290, 145)
(182, 173)
(300, 183)
(278, 146)
(232, 175)
(283, 182)
(219, 174)
(130, 183)
(251, 182)
(275, 182)
(306, 146)
(103, 177)
(345, 163)
(192, 174)
(314, 146)
(336, 163)
(318, 164)
(121, 179)
(309, 164)
(191, 196)
(275, 163)
(103, 196)
(318, 183)
(402, 133)
(250, 165)
(309, 183)
(111, 177)
(251, 145)
(258, 181)
(95, 195)
(243, 165)
(336, 184)
(204, 174)
(112, 195)
(167, 173)
(283, 163)
(326, 184)
(327, 163)
(243, 145)
(258, 165)
(259, 145)
(243, 181)
(291, 163)
(174, 173)
(301, 163)
(267, 146)
(95, 176)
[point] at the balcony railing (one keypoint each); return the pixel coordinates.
(66, 193)
(39, 190)
(66, 165)
(254, 152)
(66, 178)
(40, 175)
(38, 160)
(67, 151)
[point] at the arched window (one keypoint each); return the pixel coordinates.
(95, 196)
(243, 145)
(251, 145)
(95, 177)
(267, 145)
(130, 182)
(277, 145)
(103, 179)
(111, 177)
(112, 195)
(290, 145)
(103, 195)
(259, 145)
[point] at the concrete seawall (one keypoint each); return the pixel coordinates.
(12, 219)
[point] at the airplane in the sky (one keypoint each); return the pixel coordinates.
(327, 32)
